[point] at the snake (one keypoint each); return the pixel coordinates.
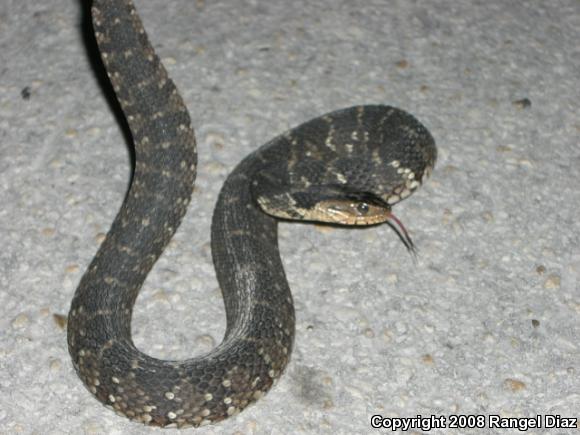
(348, 167)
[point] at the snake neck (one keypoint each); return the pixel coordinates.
(247, 261)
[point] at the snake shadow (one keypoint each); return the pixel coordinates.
(94, 59)
(412, 249)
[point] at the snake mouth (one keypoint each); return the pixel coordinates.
(361, 209)
(349, 212)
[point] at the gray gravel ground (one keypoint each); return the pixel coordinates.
(487, 321)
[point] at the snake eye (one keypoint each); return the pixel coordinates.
(362, 208)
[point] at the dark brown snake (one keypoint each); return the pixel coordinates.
(346, 167)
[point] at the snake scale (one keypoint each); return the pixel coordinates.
(347, 167)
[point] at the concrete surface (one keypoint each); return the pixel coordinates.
(487, 321)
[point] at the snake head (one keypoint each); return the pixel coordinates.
(333, 205)
(329, 204)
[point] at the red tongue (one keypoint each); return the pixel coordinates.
(401, 231)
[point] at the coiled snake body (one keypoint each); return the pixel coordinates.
(346, 167)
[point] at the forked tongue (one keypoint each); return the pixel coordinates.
(401, 231)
